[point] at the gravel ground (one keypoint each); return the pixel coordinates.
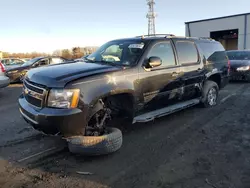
(194, 148)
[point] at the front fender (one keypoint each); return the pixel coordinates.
(94, 89)
(213, 72)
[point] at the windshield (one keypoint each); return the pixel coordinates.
(125, 53)
(240, 55)
(30, 62)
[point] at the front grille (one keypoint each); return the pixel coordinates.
(32, 88)
(35, 95)
(33, 101)
(233, 69)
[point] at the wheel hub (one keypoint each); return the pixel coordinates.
(97, 123)
(212, 96)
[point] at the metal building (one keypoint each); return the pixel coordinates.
(232, 31)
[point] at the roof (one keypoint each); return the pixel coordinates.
(210, 19)
(161, 36)
(246, 50)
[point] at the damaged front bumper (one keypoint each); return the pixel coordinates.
(66, 122)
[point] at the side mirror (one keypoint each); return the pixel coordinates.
(35, 65)
(153, 62)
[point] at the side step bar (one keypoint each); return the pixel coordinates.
(150, 116)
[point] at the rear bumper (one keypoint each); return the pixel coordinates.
(68, 122)
(4, 81)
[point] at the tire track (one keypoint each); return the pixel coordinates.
(21, 141)
(154, 155)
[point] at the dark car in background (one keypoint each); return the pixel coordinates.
(16, 74)
(240, 64)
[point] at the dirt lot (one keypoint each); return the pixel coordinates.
(195, 148)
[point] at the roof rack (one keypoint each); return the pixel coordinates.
(155, 35)
(207, 38)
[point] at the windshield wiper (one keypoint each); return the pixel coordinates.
(104, 62)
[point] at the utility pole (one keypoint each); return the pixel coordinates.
(151, 15)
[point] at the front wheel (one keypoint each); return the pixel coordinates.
(107, 143)
(210, 94)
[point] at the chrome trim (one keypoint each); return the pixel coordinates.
(27, 117)
(34, 94)
(44, 90)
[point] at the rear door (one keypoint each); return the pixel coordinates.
(216, 60)
(160, 85)
(191, 68)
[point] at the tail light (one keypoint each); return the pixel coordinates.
(2, 68)
(229, 66)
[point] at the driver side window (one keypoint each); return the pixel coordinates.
(42, 62)
(164, 51)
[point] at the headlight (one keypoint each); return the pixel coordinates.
(13, 72)
(243, 68)
(63, 98)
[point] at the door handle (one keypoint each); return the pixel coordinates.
(174, 74)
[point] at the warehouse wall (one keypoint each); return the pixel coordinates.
(248, 32)
(203, 29)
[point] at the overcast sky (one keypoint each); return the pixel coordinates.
(46, 25)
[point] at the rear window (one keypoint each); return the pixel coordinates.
(211, 49)
(187, 52)
(239, 55)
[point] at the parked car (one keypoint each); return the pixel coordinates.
(240, 64)
(82, 59)
(16, 74)
(141, 79)
(4, 80)
(26, 59)
(11, 62)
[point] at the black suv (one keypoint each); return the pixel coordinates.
(138, 79)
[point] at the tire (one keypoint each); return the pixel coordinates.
(96, 145)
(210, 89)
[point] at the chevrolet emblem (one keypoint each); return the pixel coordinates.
(34, 94)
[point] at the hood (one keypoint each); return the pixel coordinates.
(57, 76)
(239, 63)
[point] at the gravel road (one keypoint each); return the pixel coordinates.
(194, 148)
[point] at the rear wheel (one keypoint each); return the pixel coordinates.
(210, 94)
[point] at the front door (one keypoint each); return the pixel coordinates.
(160, 85)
